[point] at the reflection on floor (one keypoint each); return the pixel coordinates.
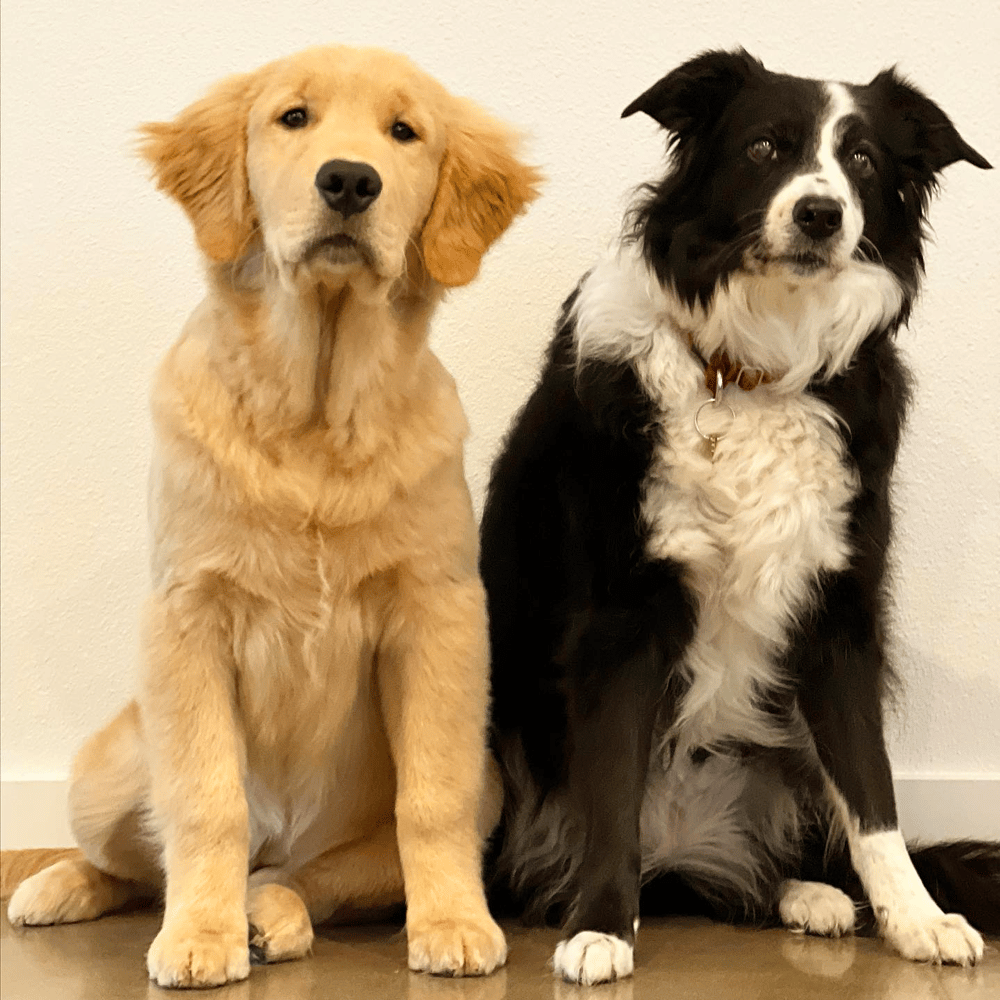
(677, 959)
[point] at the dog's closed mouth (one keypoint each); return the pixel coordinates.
(338, 248)
(801, 261)
(804, 262)
(339, 240)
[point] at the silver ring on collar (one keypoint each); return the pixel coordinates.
(697, 414)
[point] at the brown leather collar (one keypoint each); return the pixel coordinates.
(733, 373)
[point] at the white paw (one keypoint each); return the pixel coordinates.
(940, 938)
(589, 957)
(816, 908)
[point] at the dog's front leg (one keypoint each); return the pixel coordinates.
(433, 681)
(198, 802)
(616, 672)
(842, 702)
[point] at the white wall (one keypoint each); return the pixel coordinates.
(99, 271)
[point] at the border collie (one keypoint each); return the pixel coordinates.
(685, 537)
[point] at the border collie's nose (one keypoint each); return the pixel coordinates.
(818, 217)
(348, 187)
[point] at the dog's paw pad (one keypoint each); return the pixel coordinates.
(816, 908)
(589, 957)
(456, 947)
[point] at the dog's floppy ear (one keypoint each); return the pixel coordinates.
(482, 186)
(694, 95)
(917, 131)
(199, 158)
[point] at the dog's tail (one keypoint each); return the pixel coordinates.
(963, 877)
(16, 866)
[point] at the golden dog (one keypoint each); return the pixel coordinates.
(314, 688)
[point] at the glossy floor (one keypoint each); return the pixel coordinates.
(677, 959)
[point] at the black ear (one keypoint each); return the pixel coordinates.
(917, 130)
(695, 95)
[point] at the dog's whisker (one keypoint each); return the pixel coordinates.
(869, 250)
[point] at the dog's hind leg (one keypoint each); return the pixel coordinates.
(352, 880)
(815, 908)
(363, 875)
(68, 892)
(107, 806)
(279, 925)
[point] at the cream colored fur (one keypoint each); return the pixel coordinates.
(313, 691)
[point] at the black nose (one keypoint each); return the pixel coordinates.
(818, 217)
(348, 187)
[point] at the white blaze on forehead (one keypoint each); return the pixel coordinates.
(840, 106)
(822, 176)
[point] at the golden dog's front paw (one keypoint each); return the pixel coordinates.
(456, 947)
(190, 956)
(280, 928)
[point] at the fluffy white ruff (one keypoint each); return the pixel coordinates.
(589, 957)
(754, 525)
(791, 326)
(795, 327)
(816, 908)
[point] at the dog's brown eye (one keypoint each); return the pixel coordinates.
(402, 132)
(295, 118)
(860, 164)
(761, 149)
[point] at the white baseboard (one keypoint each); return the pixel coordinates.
(931, 807)
(948, 807)
(34, 814)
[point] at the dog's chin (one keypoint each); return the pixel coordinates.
(335, 262)
(805, 263)
(335, 259)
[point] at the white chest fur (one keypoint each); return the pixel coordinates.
(752, 526)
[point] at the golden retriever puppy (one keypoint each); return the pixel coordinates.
(314, 688)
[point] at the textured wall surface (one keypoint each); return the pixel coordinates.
(99, 272)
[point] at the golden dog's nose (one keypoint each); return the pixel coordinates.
(348, 187)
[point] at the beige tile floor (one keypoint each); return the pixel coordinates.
(677, 959)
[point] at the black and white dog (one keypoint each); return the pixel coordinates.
(685, 537)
